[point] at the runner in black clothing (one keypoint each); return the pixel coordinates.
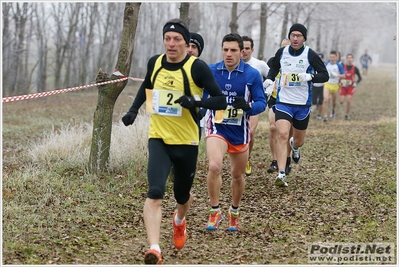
(172, 89)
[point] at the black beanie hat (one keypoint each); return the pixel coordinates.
(177, 27)
(198, 41)
(300, 28)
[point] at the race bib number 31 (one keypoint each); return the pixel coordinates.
(292, 79)
(163, 102)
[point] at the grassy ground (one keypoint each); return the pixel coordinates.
(343, 190)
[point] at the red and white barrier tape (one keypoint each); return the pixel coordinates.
(42, 94)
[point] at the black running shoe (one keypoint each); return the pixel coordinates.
(273, 167)
(288, 166)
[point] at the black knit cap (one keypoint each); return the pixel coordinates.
(198, 41)
(177, 27)
(298, 27)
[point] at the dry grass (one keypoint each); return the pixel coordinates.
(54, 212)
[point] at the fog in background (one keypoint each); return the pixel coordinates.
(49, 46)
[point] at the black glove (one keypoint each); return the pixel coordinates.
(130, 117)
(201, 113)
(186, 101)
(239, 102)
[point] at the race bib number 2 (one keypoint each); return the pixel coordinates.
(163, 102)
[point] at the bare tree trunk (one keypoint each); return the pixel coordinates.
(263, 23)
(42, 49)
(71, 44)
(20, 16)
(234, 17)
(86, 42)
(27, 71)
(108, 94)
(6, 46)
(296, 10)
(58, 15)
(284, 31)
(64, 43)
(105, 36)
(318, 38)
(195, 17)
(336, 40)
(184, 12)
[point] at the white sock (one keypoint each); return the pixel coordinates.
(178, 221)
(156, 247)
(233, 210)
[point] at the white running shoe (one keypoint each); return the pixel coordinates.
(281, 180)
(296, 153)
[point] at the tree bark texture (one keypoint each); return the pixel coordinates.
(234, 17)
(108, 94)
(263, 21)
(184, 12)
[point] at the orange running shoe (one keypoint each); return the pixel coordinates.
(233, 221)
(179, 233)
(152, 257)
(215, 216)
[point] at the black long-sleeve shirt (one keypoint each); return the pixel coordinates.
(202, 77)
(357, 72)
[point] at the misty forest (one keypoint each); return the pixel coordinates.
(49, 46)
(70, 197)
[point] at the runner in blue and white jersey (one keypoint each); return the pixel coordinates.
(299, 66)
(228, 131)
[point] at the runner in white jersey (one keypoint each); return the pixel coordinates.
(299, 66)
(331, 87)
(263, 69)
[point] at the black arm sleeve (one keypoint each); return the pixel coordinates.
(359, 77)
(141, 96)
(275, 65)
(321, 73)
(203, 77)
